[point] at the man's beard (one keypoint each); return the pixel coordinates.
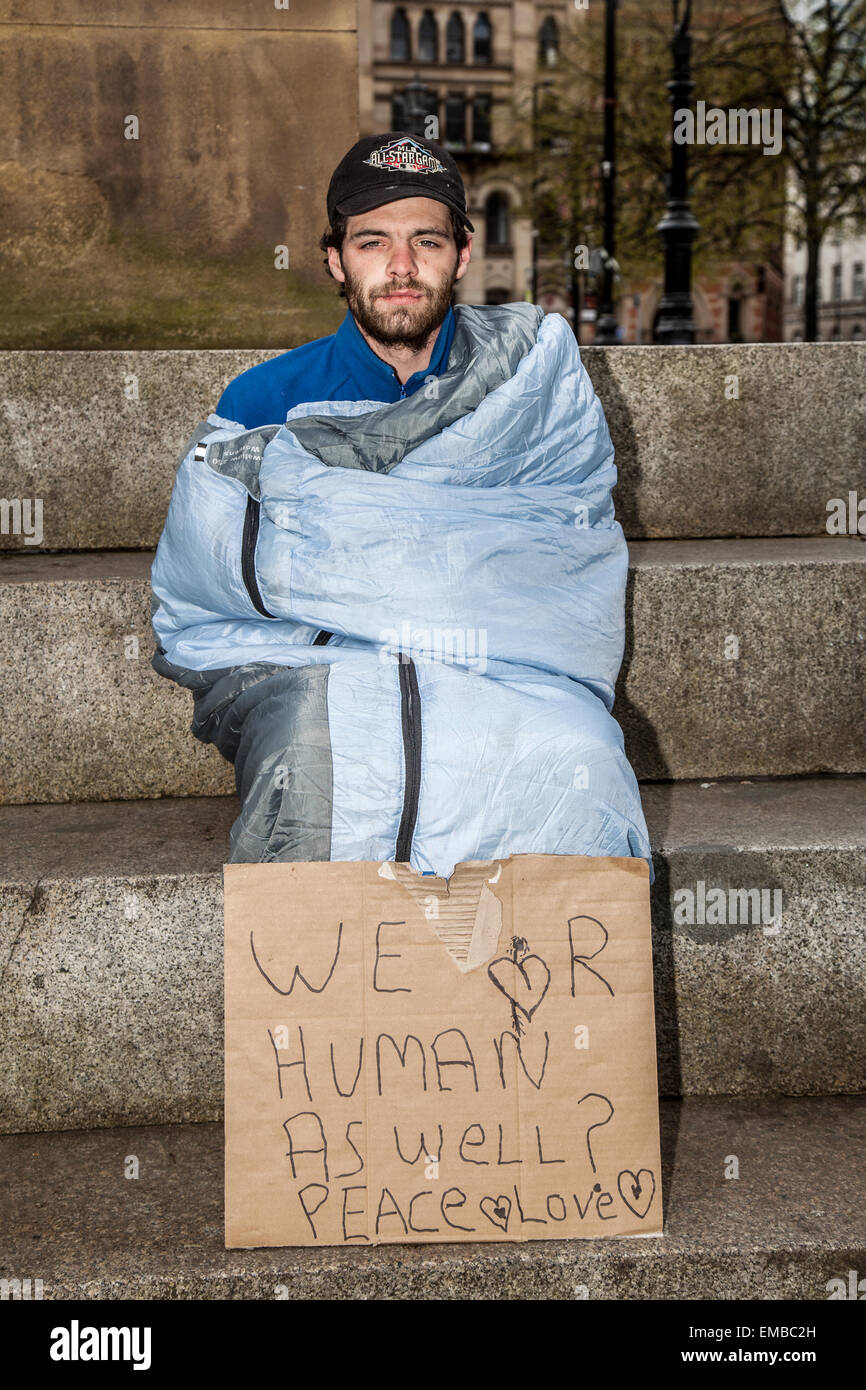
(400, 325)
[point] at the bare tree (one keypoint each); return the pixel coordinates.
(825, 121)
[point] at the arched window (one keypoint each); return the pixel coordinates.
(455, 40)
(482, 40)
(428, 38)
(455, 118)
(481, 108)
(400, 45)
(548, 43)
(856, 333)
(497, 222)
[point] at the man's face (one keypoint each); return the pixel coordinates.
(399, 265)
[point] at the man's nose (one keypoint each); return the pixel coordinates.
(402, 262)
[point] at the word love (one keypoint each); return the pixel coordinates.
(407, 1216)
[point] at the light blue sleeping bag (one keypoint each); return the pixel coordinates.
(403, 623)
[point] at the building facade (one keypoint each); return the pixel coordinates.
(841, 289)
(458, 73)
(470, 75)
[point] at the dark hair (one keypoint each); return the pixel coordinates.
(336, 235)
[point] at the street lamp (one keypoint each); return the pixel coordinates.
(605, 331)
(545, 84)
(417, 98)
(678, 228)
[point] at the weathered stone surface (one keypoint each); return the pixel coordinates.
(792, 1221)
(86, 716)
(87, 719)
(103, 463)
(111, 951)
(691, 463)
(745, 658)
(240, 165)
(694, 463)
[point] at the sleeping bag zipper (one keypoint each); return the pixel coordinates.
(410, 719)
(248, 566)
(248, 555)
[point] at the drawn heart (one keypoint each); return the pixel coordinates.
(637, 1190)
(526, 979)
(501, 1209)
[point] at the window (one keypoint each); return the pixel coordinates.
(858, 283)
(399, 37)
(428, 38)
(857, 332)
(398, 111)
(481, 107)
(455, 119)
(734, 321)
(498, 297)
(497, 223)
(482, 40)
(548, 43)
(834, 333)
(797, 290)
(455, 40)
(837, 281)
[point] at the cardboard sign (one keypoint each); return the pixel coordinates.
(414, 1060)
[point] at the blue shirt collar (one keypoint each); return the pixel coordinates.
(377, 379)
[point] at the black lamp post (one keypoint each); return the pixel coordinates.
(417, 98)
(605, 331)
(678, 228)
(544, 85)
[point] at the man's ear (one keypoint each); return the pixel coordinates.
(464, 257)
(335, 265)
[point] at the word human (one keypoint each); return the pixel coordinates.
(737, 126)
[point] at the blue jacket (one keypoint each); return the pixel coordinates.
(339, 368)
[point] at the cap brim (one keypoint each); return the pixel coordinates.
(371, 198)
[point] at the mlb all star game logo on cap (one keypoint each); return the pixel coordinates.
(383, 168)
(405, 155)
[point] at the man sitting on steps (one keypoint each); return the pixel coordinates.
(391, 574)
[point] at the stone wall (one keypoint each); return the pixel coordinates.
(183, 138)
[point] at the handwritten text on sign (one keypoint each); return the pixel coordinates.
(377, 1092)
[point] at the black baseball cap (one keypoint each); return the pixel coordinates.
(384, 168)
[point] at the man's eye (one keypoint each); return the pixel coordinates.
(435, 244)
(365, 244)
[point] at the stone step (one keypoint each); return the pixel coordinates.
(743, 658)
(78, 428)
(111, 950)
(792, 1221)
